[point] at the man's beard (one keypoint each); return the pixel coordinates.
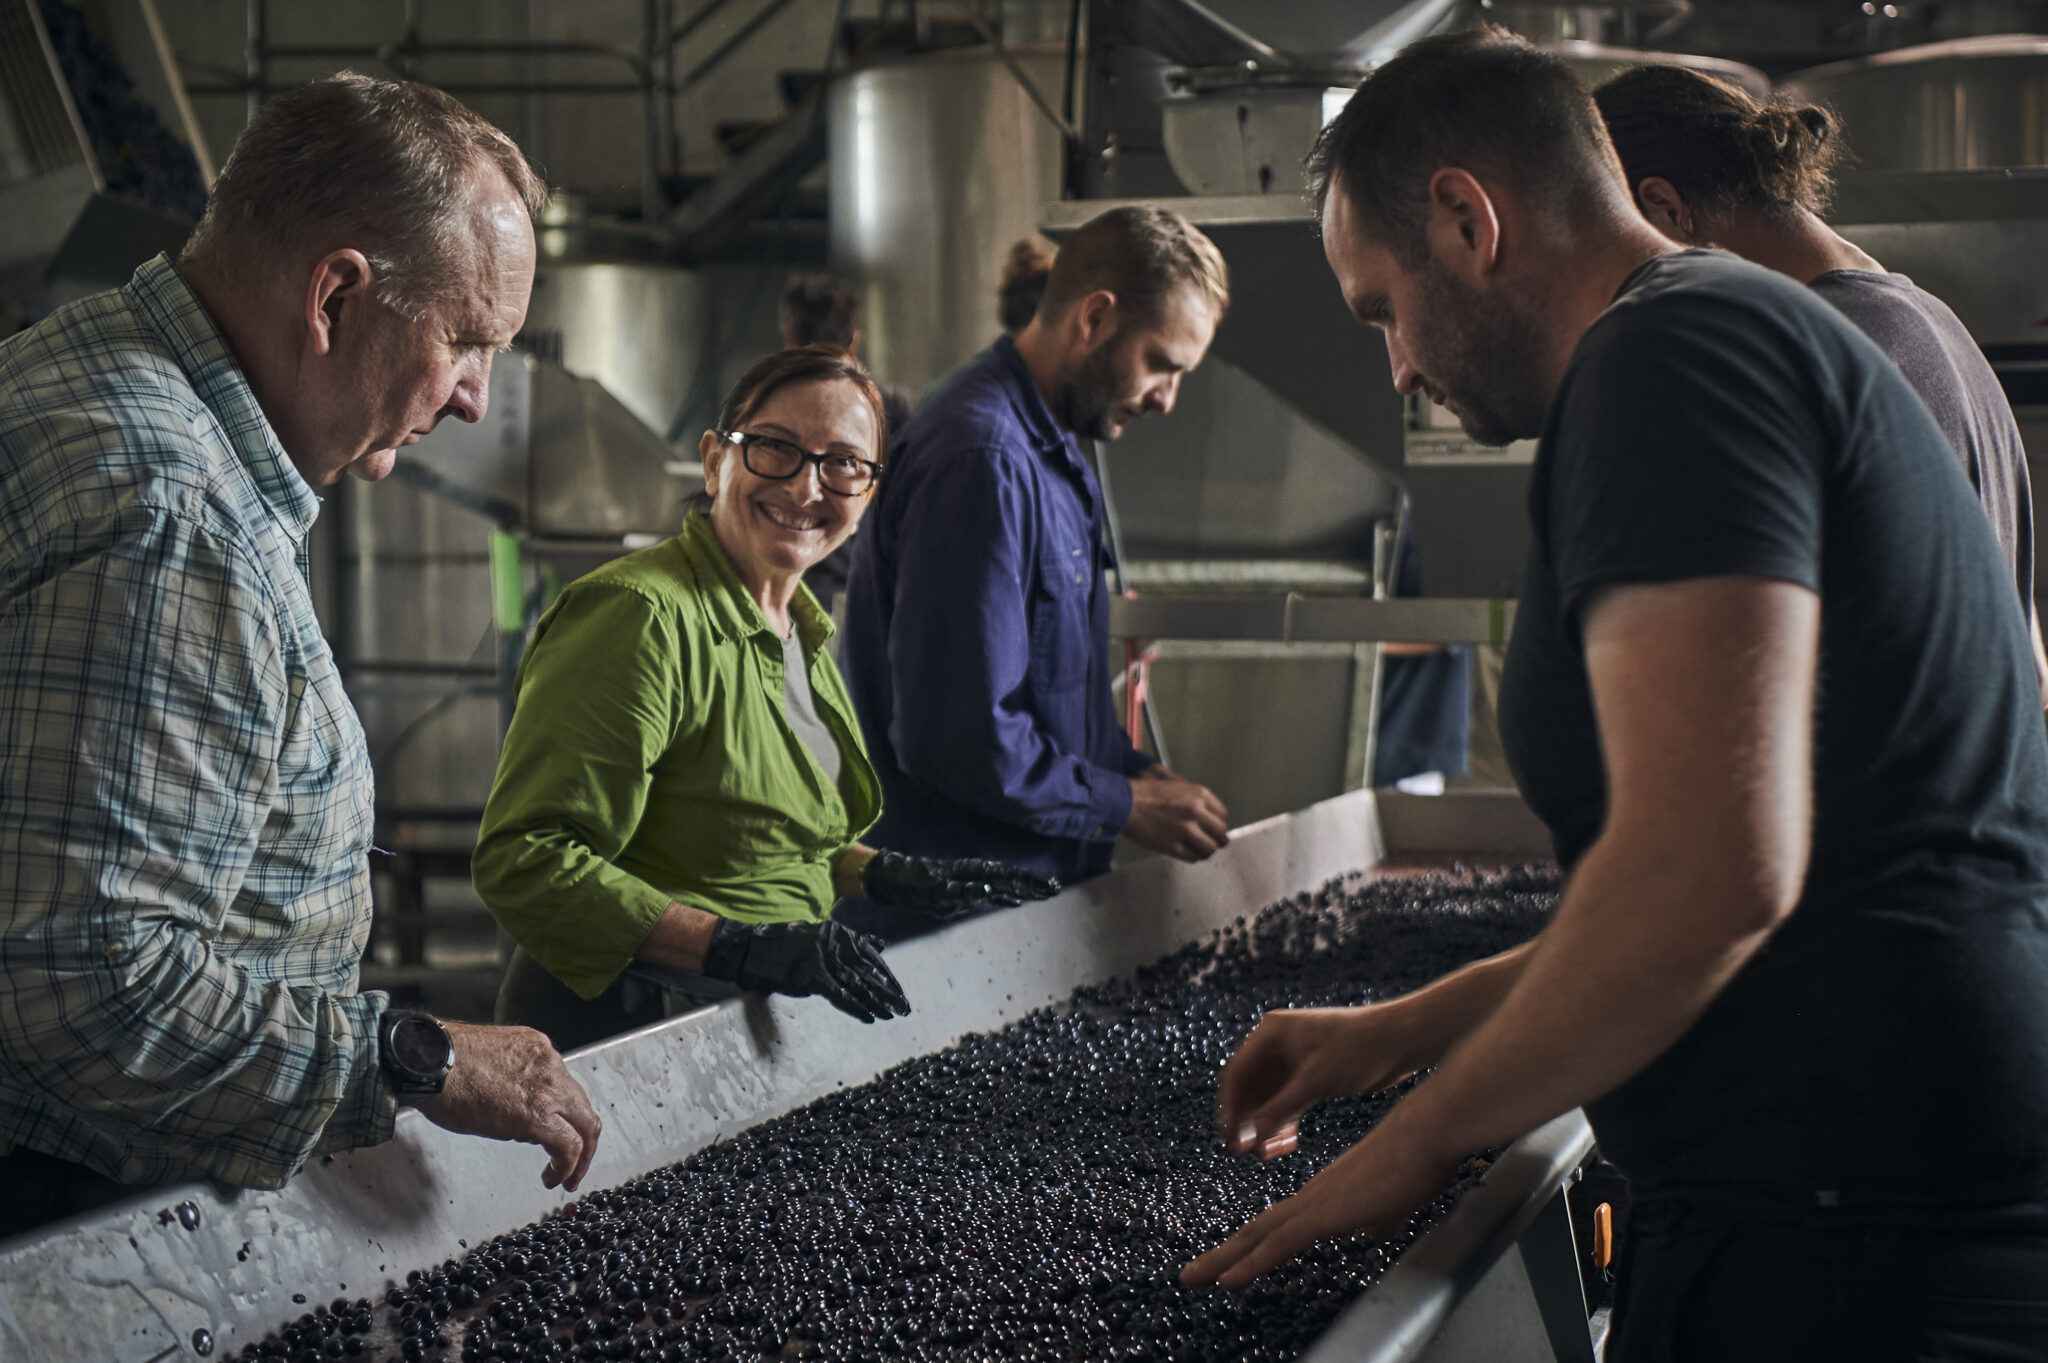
(1485, 358)
(1093, 394)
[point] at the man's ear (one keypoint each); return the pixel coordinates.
(1094, 318)
(1666, 209)
(338, 288)
(1464, 225)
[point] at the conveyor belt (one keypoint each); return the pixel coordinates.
(135, 1281)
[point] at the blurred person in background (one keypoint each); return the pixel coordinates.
(1425, 715)
(682, 792)
(822, 309)
(1022, 283)
(1711, 165)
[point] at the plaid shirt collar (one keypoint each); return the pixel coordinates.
(167, 302)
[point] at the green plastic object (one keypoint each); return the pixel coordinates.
(508, 583)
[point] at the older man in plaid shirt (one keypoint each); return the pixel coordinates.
(185, 792)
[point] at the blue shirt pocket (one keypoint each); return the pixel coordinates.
(1061, 622)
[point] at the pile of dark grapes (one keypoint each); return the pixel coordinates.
(1028, 1194)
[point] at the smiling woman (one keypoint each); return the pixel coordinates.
(792, 466)
(681, 793)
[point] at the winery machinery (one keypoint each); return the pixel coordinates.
(175, 1272)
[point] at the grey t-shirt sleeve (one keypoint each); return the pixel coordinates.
(802, 709)
(1939, 357)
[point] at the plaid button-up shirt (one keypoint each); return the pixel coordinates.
(185, 792)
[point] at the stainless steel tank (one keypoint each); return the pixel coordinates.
(1228, 134)
(1970, 104)
(1247, 130)
(1597, 62)
(640, 330)
(938, 163)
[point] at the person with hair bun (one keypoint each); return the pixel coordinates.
(822, 309)
(1711, 165)
(681, 795)
(1022, 284)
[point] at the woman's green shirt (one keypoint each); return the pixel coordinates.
(649, 761)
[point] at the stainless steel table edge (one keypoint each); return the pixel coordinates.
(1400, 1315)
(131, 1281)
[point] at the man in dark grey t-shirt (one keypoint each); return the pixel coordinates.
(1712, 166)
(1767, 690)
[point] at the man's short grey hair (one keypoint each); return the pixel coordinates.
(387, 167)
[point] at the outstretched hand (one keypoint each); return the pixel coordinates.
(828, 959)
(1296, 1058)
(1370, 1188)
(948, 888)
(1171, 814)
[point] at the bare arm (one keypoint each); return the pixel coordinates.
(678, 938)
(846, 872)
(1704, 693)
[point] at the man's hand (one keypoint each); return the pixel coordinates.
(1297, 1057)
(801, 959)
(1172, 814)
(948, 888)
(1372, 1187)
(509, 1084)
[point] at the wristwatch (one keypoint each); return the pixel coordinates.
(415, 1050)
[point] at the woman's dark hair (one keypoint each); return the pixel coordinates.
(1717, 144)
(804, 364)
(1025, 271)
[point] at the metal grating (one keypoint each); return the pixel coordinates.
(45, 138)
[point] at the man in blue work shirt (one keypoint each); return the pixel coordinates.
(977, 619)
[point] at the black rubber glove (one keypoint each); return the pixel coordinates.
(950, 888)
(801, 959)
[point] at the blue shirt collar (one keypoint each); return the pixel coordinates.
(163, 297)
(1038, 419)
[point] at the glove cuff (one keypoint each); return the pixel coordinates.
(726, 955)
(881, 865)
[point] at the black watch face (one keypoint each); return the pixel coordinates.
(419, 1046)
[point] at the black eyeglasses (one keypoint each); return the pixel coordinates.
(766, 457)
